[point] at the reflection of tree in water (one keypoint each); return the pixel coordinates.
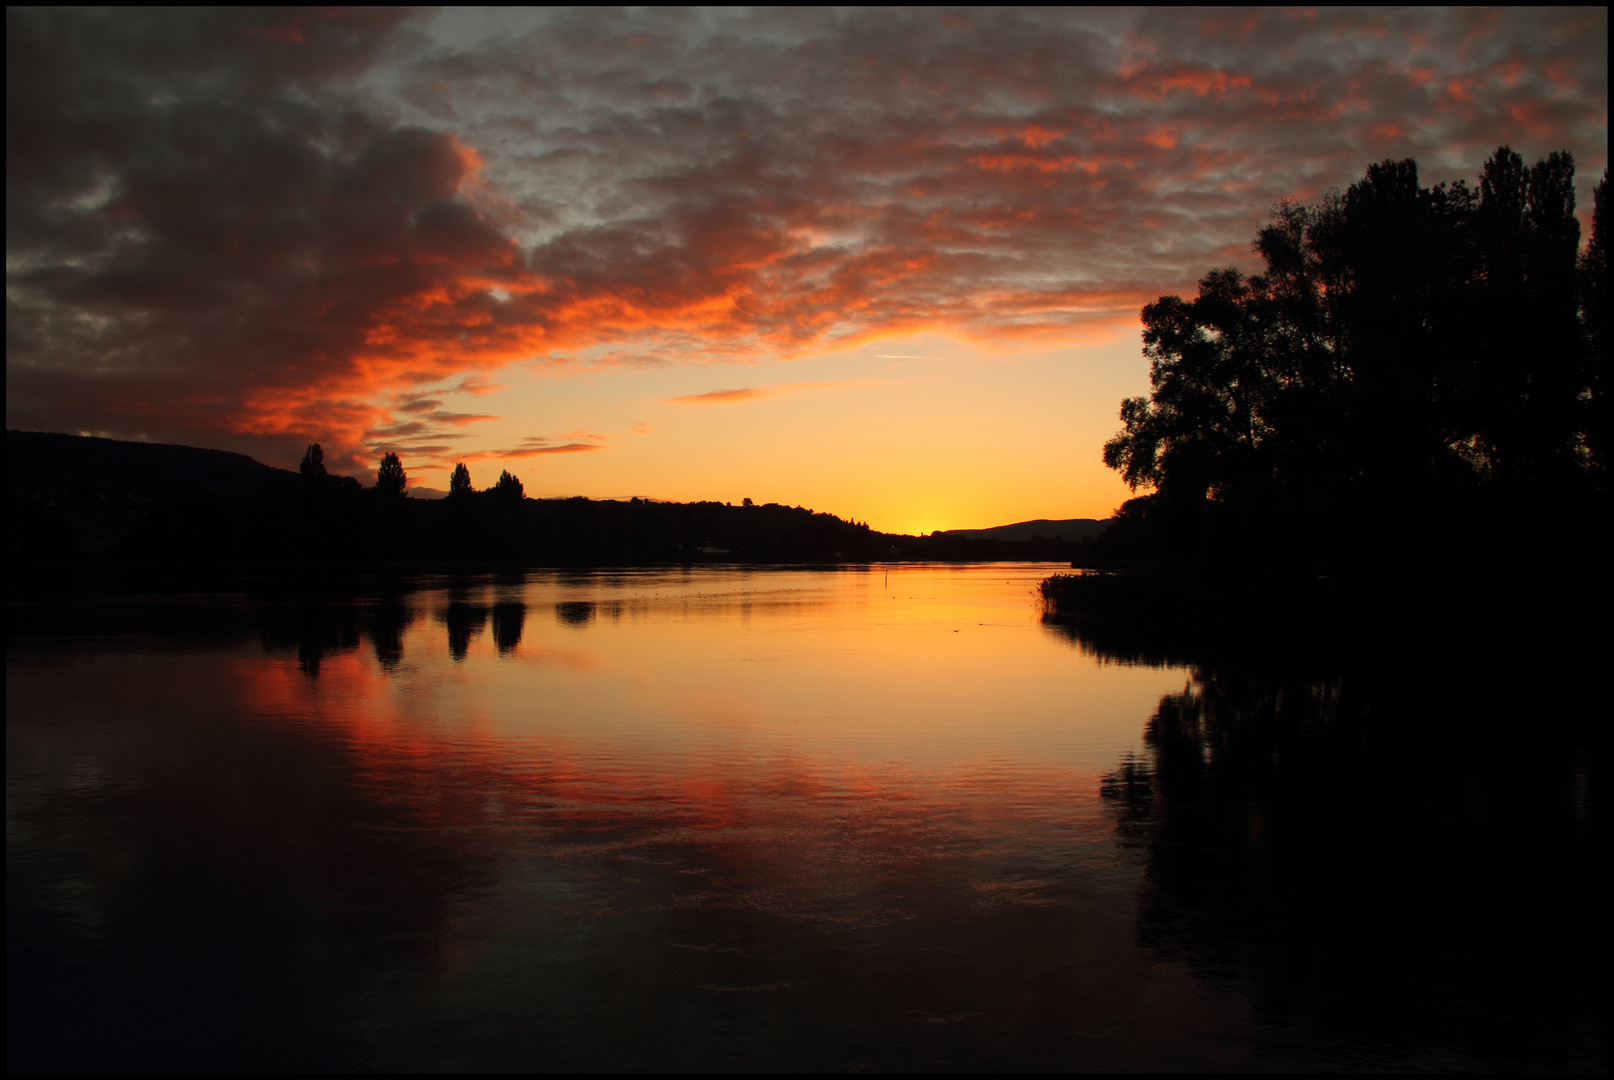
(1404, 851)
(315, 630)
(574, 613)
(464, 621)
(508, 619)
(384, 624)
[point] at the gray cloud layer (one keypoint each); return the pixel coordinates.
(257, 228)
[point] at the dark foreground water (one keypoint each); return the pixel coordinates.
(832, 820)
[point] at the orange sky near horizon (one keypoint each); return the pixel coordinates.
(885, 264)
(910, 435)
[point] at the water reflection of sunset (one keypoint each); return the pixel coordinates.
(675, 735)
(643, 780)
(806, 818)
(675, 663)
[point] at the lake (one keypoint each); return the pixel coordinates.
(790, 819)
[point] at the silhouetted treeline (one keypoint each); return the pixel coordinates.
(1418, 381)
(75, 498)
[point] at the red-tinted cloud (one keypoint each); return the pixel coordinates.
(756, 393)
(258, 230)
(537, 446)
(719, 397)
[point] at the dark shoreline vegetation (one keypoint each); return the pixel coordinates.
(1416, 387)
(1407, 412)
(77, 499)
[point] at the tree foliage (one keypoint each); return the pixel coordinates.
(313, 466)
(509, 487)
(1594, 309)
(390, 478)
(1406, 351)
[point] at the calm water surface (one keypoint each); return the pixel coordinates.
(840, 819)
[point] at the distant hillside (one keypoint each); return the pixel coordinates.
(83, 466)
(1070, 530)
(75, 498)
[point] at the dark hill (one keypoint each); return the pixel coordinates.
(1071, 530)
(82, 466)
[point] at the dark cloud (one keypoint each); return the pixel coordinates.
(474, 384)
(205, 232)
(259, 228)
(734, 182)
(432, 410)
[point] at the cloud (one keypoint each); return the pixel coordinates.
(536, 446)
(537, 451)
(260, 230)
(432, 409)
(205, 231)
(718, 397)
(475, 384)
(418, 449)
(753, 393)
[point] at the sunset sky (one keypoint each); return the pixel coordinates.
(886, 264)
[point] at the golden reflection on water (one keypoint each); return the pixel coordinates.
(675, 801)
(944, 665)
(845, 716)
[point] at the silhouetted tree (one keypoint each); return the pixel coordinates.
(1407, 353)
(1523, 322)
(313, 466)
(390, 478)
(508, 488)
(1594, 307)
(460, 483)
